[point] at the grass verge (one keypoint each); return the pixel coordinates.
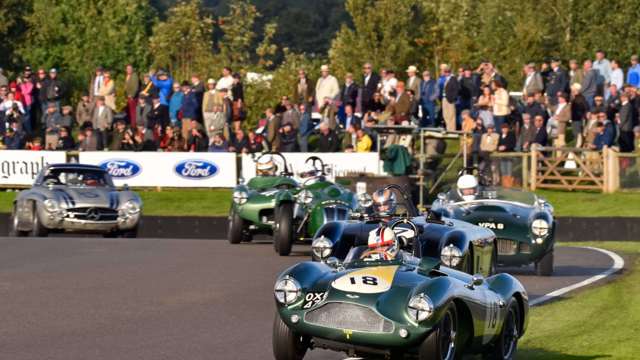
(598, 323)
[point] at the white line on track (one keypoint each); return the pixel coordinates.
(618, 264)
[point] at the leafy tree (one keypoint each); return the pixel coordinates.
(78, 35)
(183, 43)
(238, 40)
(12, 28)
(380, 34)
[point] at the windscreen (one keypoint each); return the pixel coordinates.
(76, 177)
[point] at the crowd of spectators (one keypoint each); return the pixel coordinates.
(591, 104)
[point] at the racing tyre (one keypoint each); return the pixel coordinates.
(14, 225)
(236, 224)
(544, 267)
(132, 233)
(505, 347)
(441, 343)
(37, 229)
(283, 234)
(287, 345)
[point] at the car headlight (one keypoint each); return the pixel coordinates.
(240, 197)
(51, 205)
(540, 227)
(305, 196)
(131, 207)
(365, 200)
(321, 247)
(420, 307)
(287, 290)
(451, 255)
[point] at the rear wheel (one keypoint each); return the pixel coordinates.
(37, 229)
(544, 267)
(14, 231)
(441, 343)
(505, 347)
(283, 233)
(287, 345)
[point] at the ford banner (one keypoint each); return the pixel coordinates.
(153, 169)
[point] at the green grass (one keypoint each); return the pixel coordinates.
(215, 202)
(598, 323)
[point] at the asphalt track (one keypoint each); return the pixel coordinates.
(94, 298)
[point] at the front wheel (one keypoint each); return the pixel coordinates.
(236, 225)
(441, 343)
(283, 234)
(544, 267)
(131, 233)
(287, 345)
(505, 346)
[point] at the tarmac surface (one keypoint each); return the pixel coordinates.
(94, 298)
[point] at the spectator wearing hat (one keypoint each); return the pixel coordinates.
(326, 87)
(163, 83)
(14, 138)
(428, 97)
(96, 83)
(533, 80)
(108, 90)
(175, 103)
(84, 109)
(559, 121)
(131, 90)
(54, 88)
(575, 72)
(143, 108)
(52, 121)
(67, 116)
(413, 81)
(579, 110)
(117, 136)
(527, 133)
(450, 91)
(633, 74)
(349, 92)
(557, 82)
(190, 104)
(88, 140)
(65, 140)
(102, 120)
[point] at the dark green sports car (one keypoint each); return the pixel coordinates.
(396, 308)
(523, 223)
(290, 211)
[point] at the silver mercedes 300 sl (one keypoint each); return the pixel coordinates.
(75, 198)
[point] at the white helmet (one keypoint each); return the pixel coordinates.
(308, 171)
(467, 187)
(265, 166)
(382, 243)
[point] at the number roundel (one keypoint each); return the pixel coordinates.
(366, 281)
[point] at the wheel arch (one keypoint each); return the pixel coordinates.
(465, 322)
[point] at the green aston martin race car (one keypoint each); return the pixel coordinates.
(524, 224)
(279, 205)
(383, 302)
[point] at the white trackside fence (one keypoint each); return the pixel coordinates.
(180, 169)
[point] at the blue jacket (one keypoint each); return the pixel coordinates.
(190, 106)
(633, 76)
(164, 88)
(306, 125)
(428, 91)
(606, 138)
(175, 104)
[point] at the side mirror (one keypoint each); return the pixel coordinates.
(476, 280)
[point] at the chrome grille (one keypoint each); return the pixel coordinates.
(507, 247)
(92, 214)
(348, 316)
(335, 213)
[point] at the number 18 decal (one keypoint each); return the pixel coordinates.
(366, 281)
